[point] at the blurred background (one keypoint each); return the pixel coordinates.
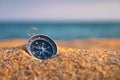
(60, 19)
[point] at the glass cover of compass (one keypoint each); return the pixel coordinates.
(41, 47)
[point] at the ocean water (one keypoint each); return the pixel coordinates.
(62, 30)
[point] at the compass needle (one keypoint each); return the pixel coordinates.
(47, 48)
(36, 51)
(39, 47)
(43, 54)
(35, 47)
(47, 51)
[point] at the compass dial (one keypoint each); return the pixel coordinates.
(41, 47)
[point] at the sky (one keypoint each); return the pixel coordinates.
(59, 10)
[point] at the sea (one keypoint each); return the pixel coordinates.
(61, 31)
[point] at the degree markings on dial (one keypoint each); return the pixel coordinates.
(41, 49)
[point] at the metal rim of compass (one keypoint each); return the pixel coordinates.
(46, 38)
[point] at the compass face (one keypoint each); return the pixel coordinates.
(41, 47)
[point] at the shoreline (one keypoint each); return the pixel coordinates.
(77, 43)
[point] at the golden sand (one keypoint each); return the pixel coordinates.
(88, 59)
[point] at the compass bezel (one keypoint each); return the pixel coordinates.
(41, 37)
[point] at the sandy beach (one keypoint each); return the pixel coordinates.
(85, 59)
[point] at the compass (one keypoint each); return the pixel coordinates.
(41, 46)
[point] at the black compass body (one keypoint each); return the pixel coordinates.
(41, 47)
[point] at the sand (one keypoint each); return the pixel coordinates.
(86, 59)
